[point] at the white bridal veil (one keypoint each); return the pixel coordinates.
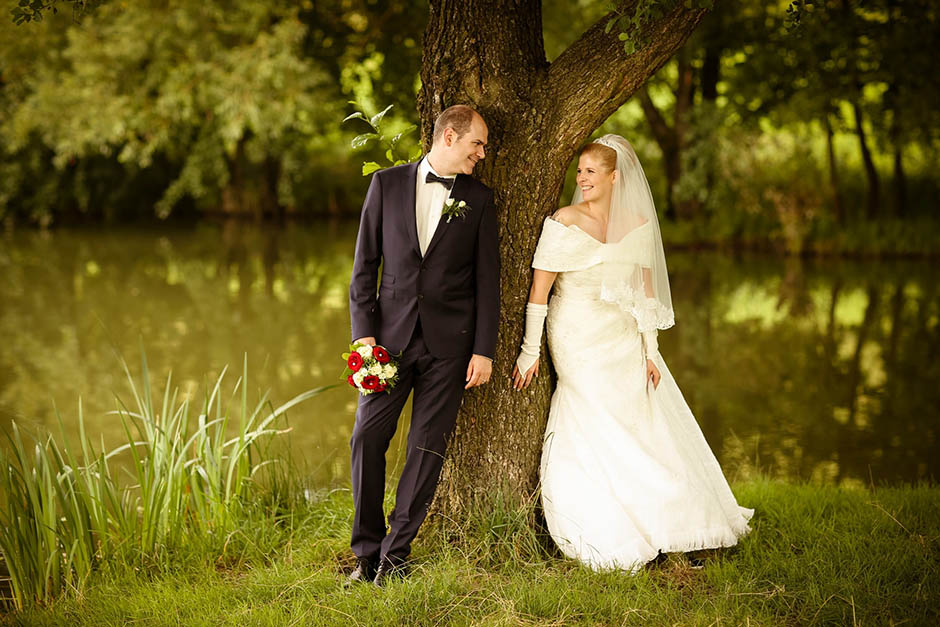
(634, 265)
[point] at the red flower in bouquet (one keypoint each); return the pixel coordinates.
(371, 369)
(381, 355)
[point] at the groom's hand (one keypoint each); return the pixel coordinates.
(478, 371)
(366, 340)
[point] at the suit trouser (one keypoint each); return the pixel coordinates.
(438, 387)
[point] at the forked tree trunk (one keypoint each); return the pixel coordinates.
(490, 55)
(672, 139)
(873, 197)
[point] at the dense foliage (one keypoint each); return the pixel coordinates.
(208, 106)
(766, 130)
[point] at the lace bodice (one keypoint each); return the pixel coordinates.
(585, 265)
(580, 284)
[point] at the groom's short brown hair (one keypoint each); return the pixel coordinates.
(458, 117)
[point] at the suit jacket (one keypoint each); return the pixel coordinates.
(453, 289)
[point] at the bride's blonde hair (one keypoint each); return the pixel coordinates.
(605, 154)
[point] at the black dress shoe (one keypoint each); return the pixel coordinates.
(389, 570)
(363, 573)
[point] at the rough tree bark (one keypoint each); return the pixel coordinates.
(490, 55)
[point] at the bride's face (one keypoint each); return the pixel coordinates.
(594, 178)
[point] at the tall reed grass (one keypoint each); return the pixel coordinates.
(64, 511)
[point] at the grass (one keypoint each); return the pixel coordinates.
(208, 529)
(817, 555)
(194, 480)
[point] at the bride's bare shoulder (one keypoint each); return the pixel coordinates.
(568, 215)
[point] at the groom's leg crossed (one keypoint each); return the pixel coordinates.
(376, 421)
(438, 388)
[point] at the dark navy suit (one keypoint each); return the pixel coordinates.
(437, 310)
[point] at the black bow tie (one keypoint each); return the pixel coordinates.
(433, 178)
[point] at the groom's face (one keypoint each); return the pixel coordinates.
(469, 149)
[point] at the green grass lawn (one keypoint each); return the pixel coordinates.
(816, 555)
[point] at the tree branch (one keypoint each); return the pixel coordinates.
(594, 76)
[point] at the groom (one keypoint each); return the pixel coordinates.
(432, 230)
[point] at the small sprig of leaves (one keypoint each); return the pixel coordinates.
(796, 12)
(32, 10)
(631, 26)
(379, 133)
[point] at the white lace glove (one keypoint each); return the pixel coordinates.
(532, 339)
(650, 344)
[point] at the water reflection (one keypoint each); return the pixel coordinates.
(824, 370)
(815, 369)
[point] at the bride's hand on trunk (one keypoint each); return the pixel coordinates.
(520, 382)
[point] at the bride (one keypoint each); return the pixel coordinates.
(625, 471)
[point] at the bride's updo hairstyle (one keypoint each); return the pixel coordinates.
(606, 155)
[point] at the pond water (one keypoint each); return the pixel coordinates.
(825, 370)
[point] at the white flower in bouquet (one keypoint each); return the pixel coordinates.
(388, 371)
(359, 376)
(375, 369)
(365, 351)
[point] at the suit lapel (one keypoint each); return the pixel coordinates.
(410, 174)
(456, 194)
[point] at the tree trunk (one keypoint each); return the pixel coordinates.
(837, 206)
(900, 183)
(900, 179)
(711, 71)
(672, 139)
(668, 143)
(872, 200)
(490, 55)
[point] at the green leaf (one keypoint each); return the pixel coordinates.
(623, 36)
(378, 116)
(610, 25)
(629, 47)
(389, 155)
(361, 140)
(352, 116)
(407, 130)
(369, 167)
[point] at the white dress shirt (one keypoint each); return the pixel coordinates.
(429, 201)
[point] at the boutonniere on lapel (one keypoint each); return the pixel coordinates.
(454, 208)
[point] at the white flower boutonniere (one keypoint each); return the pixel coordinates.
(454, 208)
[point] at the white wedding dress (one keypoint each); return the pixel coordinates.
(625, 470)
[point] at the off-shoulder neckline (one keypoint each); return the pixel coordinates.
(586, 234)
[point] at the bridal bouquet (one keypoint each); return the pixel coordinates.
(370, 368)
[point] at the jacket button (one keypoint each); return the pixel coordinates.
(420, 296)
